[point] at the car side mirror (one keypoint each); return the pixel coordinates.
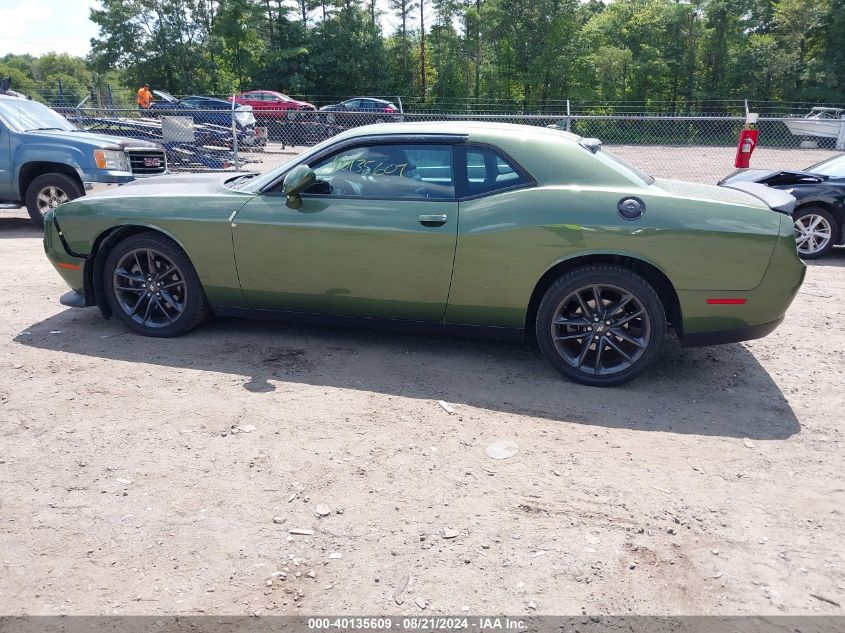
(297, 180)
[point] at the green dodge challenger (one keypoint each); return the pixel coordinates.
(479, 229)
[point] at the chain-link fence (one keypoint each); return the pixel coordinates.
(700, 148)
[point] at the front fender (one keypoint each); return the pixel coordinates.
(78, 159)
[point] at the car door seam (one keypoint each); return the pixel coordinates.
(232, 226)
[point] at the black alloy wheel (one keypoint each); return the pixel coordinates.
(152, 286)
(601, 325)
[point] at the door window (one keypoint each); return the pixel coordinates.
(488, 171)
(387, 171)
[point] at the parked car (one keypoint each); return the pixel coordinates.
(46, 161)
(361, 111)
(819, 213)
(207, 111)
(209, 148)
(474, 228)
(268, 104)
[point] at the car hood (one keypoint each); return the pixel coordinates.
(773, 177)
(92, 139)
(174, 185)
(331, 106)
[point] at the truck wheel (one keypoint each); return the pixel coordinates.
(49, 191)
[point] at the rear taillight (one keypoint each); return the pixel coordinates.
(390, 110)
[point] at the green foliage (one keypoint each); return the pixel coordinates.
(526, 54)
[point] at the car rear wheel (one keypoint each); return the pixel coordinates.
(815, 232)
(601, 325)
(152, 287)
(47, 192)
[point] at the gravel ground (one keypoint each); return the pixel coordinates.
(145, 476)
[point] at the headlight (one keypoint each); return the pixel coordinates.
(111, 159)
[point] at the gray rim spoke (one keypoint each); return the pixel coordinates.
(164, 273)
(577, 322)
(147, 311)
(620, 333)
(585, 347)
(629, 317)
(599, 348)
(169, 298)
(569, 337)
(137, 305)
(619, 305)
(129, 275)
(584, 308)
(613, 344)
(599, 305)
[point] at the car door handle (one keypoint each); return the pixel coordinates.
(434, 219)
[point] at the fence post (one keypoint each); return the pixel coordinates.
(235, 135)
(61, 94)
(567, 115)
(840, 140)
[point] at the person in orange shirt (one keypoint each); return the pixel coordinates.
(144, 97)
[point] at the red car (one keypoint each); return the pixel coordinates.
(268, 104)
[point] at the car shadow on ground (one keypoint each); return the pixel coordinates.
(17, 227)
(721, 391)
(835, 257)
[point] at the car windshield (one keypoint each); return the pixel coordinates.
(833, 167)
(258, 182)
(24, 116)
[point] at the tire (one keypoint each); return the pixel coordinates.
(49, 191)
(584, 348)
(816, 231)
(177, 301)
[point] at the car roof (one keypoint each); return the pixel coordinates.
(474, 129)
(207, 99)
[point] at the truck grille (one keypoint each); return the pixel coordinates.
(147, 162)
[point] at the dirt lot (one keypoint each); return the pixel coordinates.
(148, 476)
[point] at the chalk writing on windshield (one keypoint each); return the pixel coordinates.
(368, 167)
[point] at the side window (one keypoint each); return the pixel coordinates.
(487, 171)
(352, 104)
(387, 171)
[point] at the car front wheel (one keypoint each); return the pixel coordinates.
(152, 287)
(47, 192)
(815, 232)
(601, 325)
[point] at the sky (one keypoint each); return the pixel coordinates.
(40, 26)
